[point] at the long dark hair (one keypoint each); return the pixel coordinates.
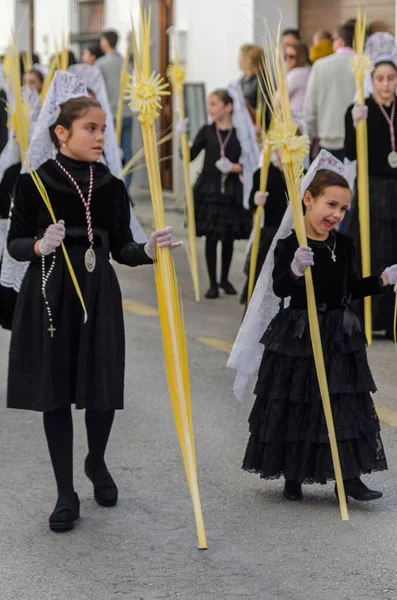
(71, 111)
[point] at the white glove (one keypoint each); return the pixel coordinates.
(260, 198)
(224, 165)
(181, 126)
(52, 238)
(161, 238)
(303, 258)
(359, 111)
(391, 274)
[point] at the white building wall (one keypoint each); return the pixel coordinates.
(7, 23)
(271, 11)
(50, 23)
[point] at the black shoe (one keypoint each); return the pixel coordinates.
(228, 288)
(357, 490)
(66, 511)
(105, 490)
(213, 291)
(292, 490)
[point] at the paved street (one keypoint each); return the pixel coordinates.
(260, 547)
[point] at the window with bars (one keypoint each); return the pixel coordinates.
(87, 23)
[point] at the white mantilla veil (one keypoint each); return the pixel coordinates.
(380, 47)
(63, 87)
(247, 350)
(250, 153)
(12, 271)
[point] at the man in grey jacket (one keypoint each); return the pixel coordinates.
(330, 91)
(110, 66)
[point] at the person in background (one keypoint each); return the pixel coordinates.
(289, 36)
(22, 61)
(110, 66)
(330, 90)
(252, 61)
(298, 64)
(3, 112)
(322, 45)
(34, 79)
(91, 54)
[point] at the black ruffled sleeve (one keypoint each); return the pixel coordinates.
(360, 287)
(122, 245)
(284, 281)
(23, 227)
(200, 143)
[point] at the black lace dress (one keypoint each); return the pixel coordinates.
(287, 424)
(83, 364)
(220, 214)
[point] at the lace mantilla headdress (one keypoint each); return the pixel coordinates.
(250, 154)
(247, 351)
(93, 79)
(64, 87)
(380, 47)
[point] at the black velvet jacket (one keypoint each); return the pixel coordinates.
(110, 210)
(335, 283)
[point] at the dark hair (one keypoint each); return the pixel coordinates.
(302, 53)
(346, 33)
(294, 32)
(325, 178)
(71, 111)
(384, 62)
(111, 36)
(37, 73)
(223, 95)
(95, 51)
(71, 58)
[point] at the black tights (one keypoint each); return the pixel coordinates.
(210, 256)
(58, 427)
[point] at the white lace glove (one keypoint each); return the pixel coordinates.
(161, 238)
(303, 258)
(224, 165)
(391, 274)
(260, 198)
(181, 126)
(359, 111)
(52, 238)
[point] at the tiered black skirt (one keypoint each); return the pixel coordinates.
(288, 433)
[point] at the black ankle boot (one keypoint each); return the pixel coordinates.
(66, 511)
(228, 288)
(213, 291)
(105, 490)
(292, 490)
(355, 488)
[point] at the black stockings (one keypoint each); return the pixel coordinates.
(210, 256)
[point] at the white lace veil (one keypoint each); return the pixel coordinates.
(13, 271)
(246, 136)
(247, 351)
(64, 86)
(93, 79)
(380, 46)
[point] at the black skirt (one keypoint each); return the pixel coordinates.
(83, 364)
(221, 216)
(287, 423)
(383, 225)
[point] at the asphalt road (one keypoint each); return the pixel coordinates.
(260, 547)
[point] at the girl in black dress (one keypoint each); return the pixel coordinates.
(218, 192)
(287, 424)
(56, 359)
(381, 114)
